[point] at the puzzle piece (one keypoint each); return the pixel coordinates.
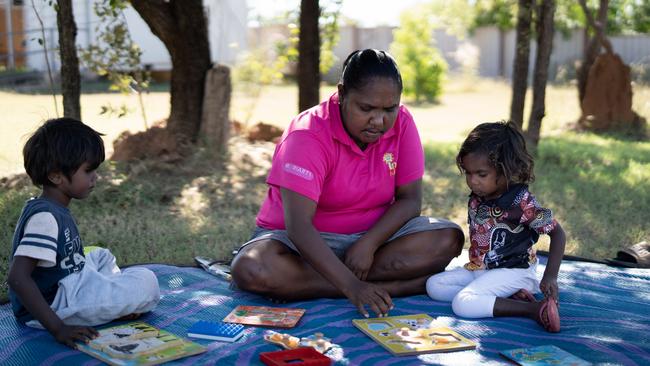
(317, 341)
(282, 339)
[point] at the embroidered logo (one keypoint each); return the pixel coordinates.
(390, 162)
(298, 171)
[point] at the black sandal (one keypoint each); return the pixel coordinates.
(634, 256)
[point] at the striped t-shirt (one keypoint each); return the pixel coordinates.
(47, 232)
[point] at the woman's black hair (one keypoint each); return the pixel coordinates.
(363, 65)
(504, 145)
(61, 145)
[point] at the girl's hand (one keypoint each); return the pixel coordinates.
(359, 258)
(68, 335)
(549, 288)
(365, 293)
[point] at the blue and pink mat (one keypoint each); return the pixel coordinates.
(605, 320)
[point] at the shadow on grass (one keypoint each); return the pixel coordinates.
(597, 186)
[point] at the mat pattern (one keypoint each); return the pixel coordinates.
(604, 310)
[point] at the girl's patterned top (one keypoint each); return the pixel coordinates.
(502, 231)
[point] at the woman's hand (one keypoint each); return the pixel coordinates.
(69, 335)
(359, 258)
(364, 293)
(549, 288)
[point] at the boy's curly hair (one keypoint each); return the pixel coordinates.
(61, 145)
(504, 145)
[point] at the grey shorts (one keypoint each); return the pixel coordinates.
(341, 242)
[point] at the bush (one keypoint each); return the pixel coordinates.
(423, 68)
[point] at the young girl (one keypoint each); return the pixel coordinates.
(505, 220)
(52, 283)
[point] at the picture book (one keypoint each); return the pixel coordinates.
(412, 334)
(138, 343)
(225, 332)
(265, 316)
(543, 355)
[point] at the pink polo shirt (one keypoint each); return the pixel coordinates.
(352, 188)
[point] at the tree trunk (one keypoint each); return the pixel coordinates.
(182, 27)
(522, 55)
(70, 78)
(592, 44)
(308, 55)
(545, 30)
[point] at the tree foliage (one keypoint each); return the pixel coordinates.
(624, 16)
(115, 56)
(423, 68)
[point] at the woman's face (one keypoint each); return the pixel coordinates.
(371, 111)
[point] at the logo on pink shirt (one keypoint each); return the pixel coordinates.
(298, 171)
(390, 162)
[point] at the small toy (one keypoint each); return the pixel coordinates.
(317, 341)
(299, 356)
(224, 332)
(284, 340)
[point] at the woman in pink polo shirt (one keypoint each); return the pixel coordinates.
(342, 213)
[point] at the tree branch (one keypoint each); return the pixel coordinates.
(597, 25)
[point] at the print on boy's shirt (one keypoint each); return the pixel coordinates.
(73, 260)
(298, 171)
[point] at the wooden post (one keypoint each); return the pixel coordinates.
(215, 121)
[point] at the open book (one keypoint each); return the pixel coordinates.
(138, 343)
(543, 355)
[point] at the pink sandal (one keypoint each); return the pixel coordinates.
(523, 295)
(549, 316)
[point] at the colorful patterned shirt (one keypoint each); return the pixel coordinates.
(502, 231)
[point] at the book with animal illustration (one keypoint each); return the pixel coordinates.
(543, 355)
(264, 316)
(138, 343)
(412, 334)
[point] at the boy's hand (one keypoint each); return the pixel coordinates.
(364, 293)
(549, 288)
(68, 335)
(359, 258)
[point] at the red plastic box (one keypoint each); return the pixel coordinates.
(299, 356)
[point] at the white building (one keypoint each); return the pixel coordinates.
(227, 22)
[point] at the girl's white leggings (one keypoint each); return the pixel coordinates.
(473, 293)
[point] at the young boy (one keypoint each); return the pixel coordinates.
(52, 284)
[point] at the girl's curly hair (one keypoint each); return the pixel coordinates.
(504, 145)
